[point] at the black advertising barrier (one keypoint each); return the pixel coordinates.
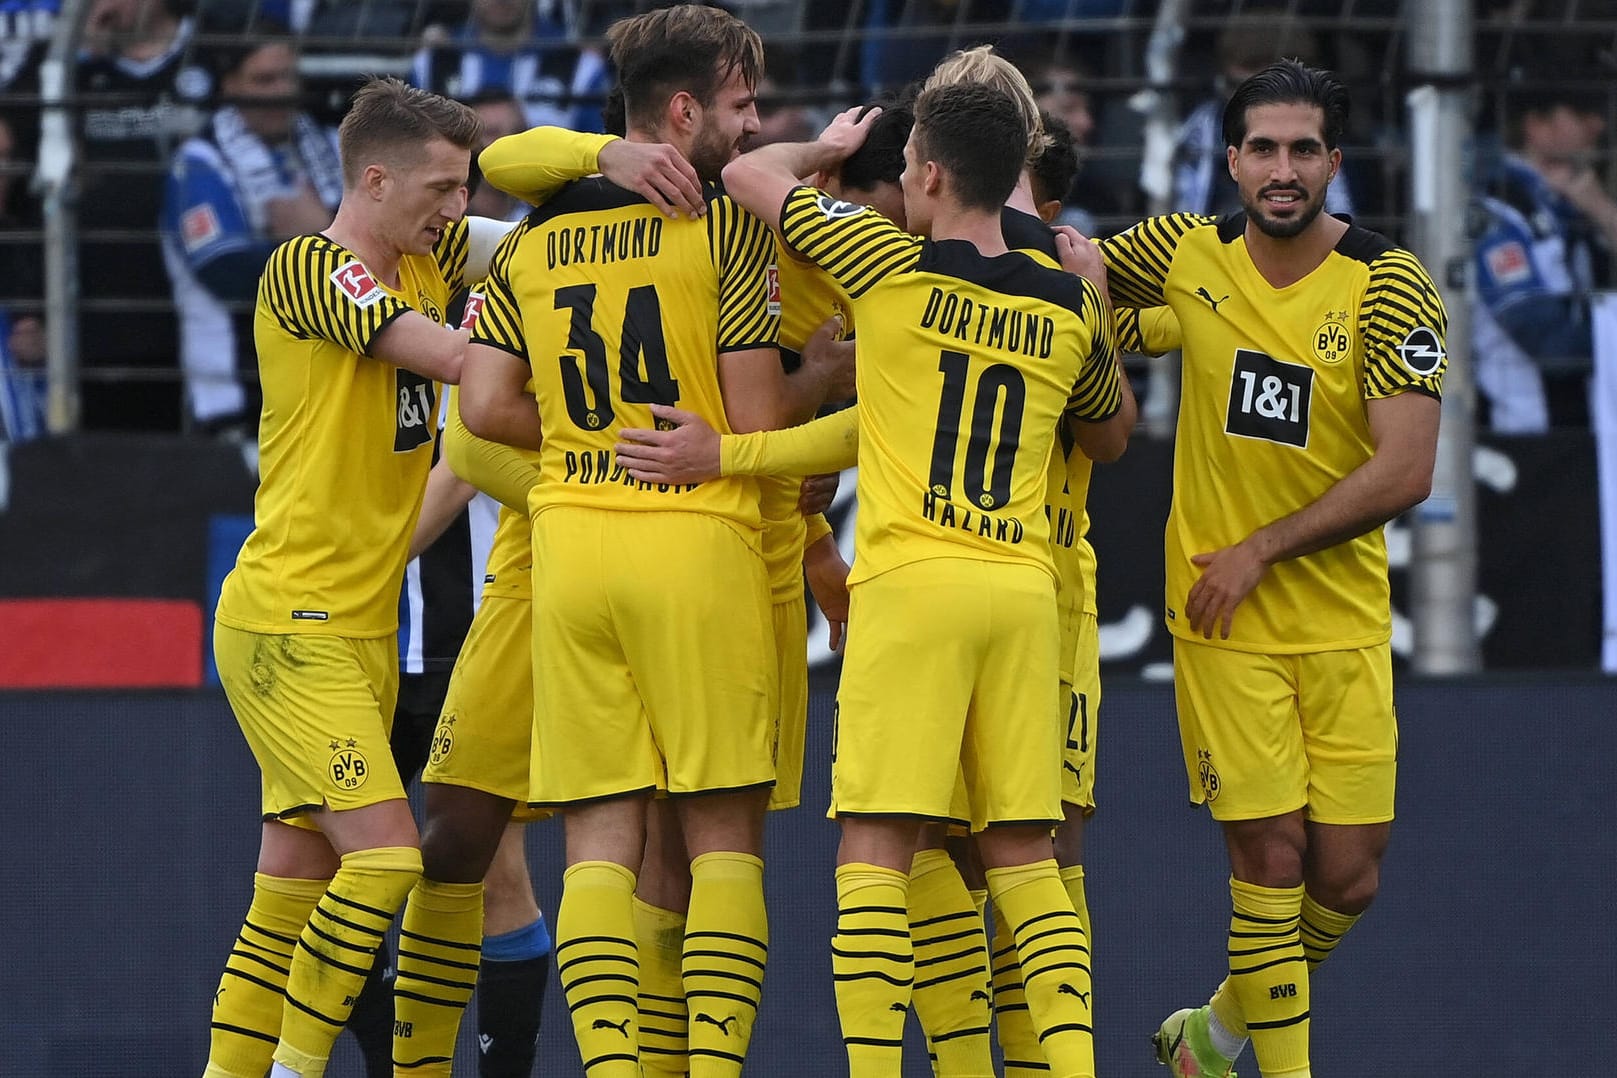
(131, 516)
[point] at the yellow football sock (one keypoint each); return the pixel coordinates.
(599, 965)
(979, 902)
(1268, 975)
(873, 967)
(440, 946)
(1018, 1040)
(1072, 879)
(726, 946)
(951, 968)
(1322, 930)
(1054, 955)
(663, 1016)
(337, 949)
(252, 989)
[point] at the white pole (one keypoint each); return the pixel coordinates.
(54, 181)
(1444, 569)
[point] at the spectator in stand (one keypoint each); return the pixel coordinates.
(1104, 193)
(1247, 44)
(524, 49)
(143, 95)
(22, 331)
(781, 115)
(258, 173)
(1548, 229)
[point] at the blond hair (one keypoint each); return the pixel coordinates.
(983, 66)
(387, 116)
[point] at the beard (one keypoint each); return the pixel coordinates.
(710, 153)
(1283, 228)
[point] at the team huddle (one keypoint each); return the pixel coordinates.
(639, 368)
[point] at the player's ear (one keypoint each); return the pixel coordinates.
(373, 181)
(684, 111)
(1230, 154)
(1049, 210)
(931, 178)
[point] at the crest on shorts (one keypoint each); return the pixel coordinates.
(1207, 774)
(443, 739)
(349, 768)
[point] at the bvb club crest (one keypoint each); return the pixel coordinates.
(1332, 339)
(443, 739)
(1207, 773)
(349, 768)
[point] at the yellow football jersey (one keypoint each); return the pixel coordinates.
(1066, 502)
(808, 296)
(345, 441)
(615, 307)
(1272, 410)
(966, 366)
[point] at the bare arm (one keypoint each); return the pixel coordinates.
(1397, 476)
(446, 495)
(494, 402)
(762, 179)
(533, 165)
(503, 472)
(754, 389)
(417, 343)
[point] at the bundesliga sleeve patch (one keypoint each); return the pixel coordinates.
(474, 310)
(199, 226)
(355, 281)
(772, 290)
(834, 209)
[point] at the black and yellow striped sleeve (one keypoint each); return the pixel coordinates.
(1404, 326)
(450, 254)
(319, 290)
(749, 291)
(854, 244)
(1095, 395)
(497, 321)
(1137, 261)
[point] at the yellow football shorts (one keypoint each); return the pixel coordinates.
(791, 721)
(1080, 691)
(951, 666)
(1264, 735)
(484, 735)
(316, 711)
(653, 656)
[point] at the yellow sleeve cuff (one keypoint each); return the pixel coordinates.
(828, 444)
(533, 165)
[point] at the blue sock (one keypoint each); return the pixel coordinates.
(510, 995)
(529, 941)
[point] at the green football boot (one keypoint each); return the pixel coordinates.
(1184, 1045)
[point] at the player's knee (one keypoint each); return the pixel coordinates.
(1348, 888)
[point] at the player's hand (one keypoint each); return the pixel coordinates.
(683, 448)
(817, 493)
(1228, 576)
(831, 360)
(1080, 255)
(847, 130)
(657, 171)
(827, 576)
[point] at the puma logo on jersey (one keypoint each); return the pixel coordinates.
(1202, 293)
(899, 1007)
(622, 1027)
(1069, 990)
(722, 1023)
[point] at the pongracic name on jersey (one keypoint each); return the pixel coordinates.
(946, 514)
(1003, 328)
(601, 466)
(604, 244)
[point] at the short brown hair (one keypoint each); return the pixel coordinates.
(387, 113)
(977, 133)
(688, 47)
